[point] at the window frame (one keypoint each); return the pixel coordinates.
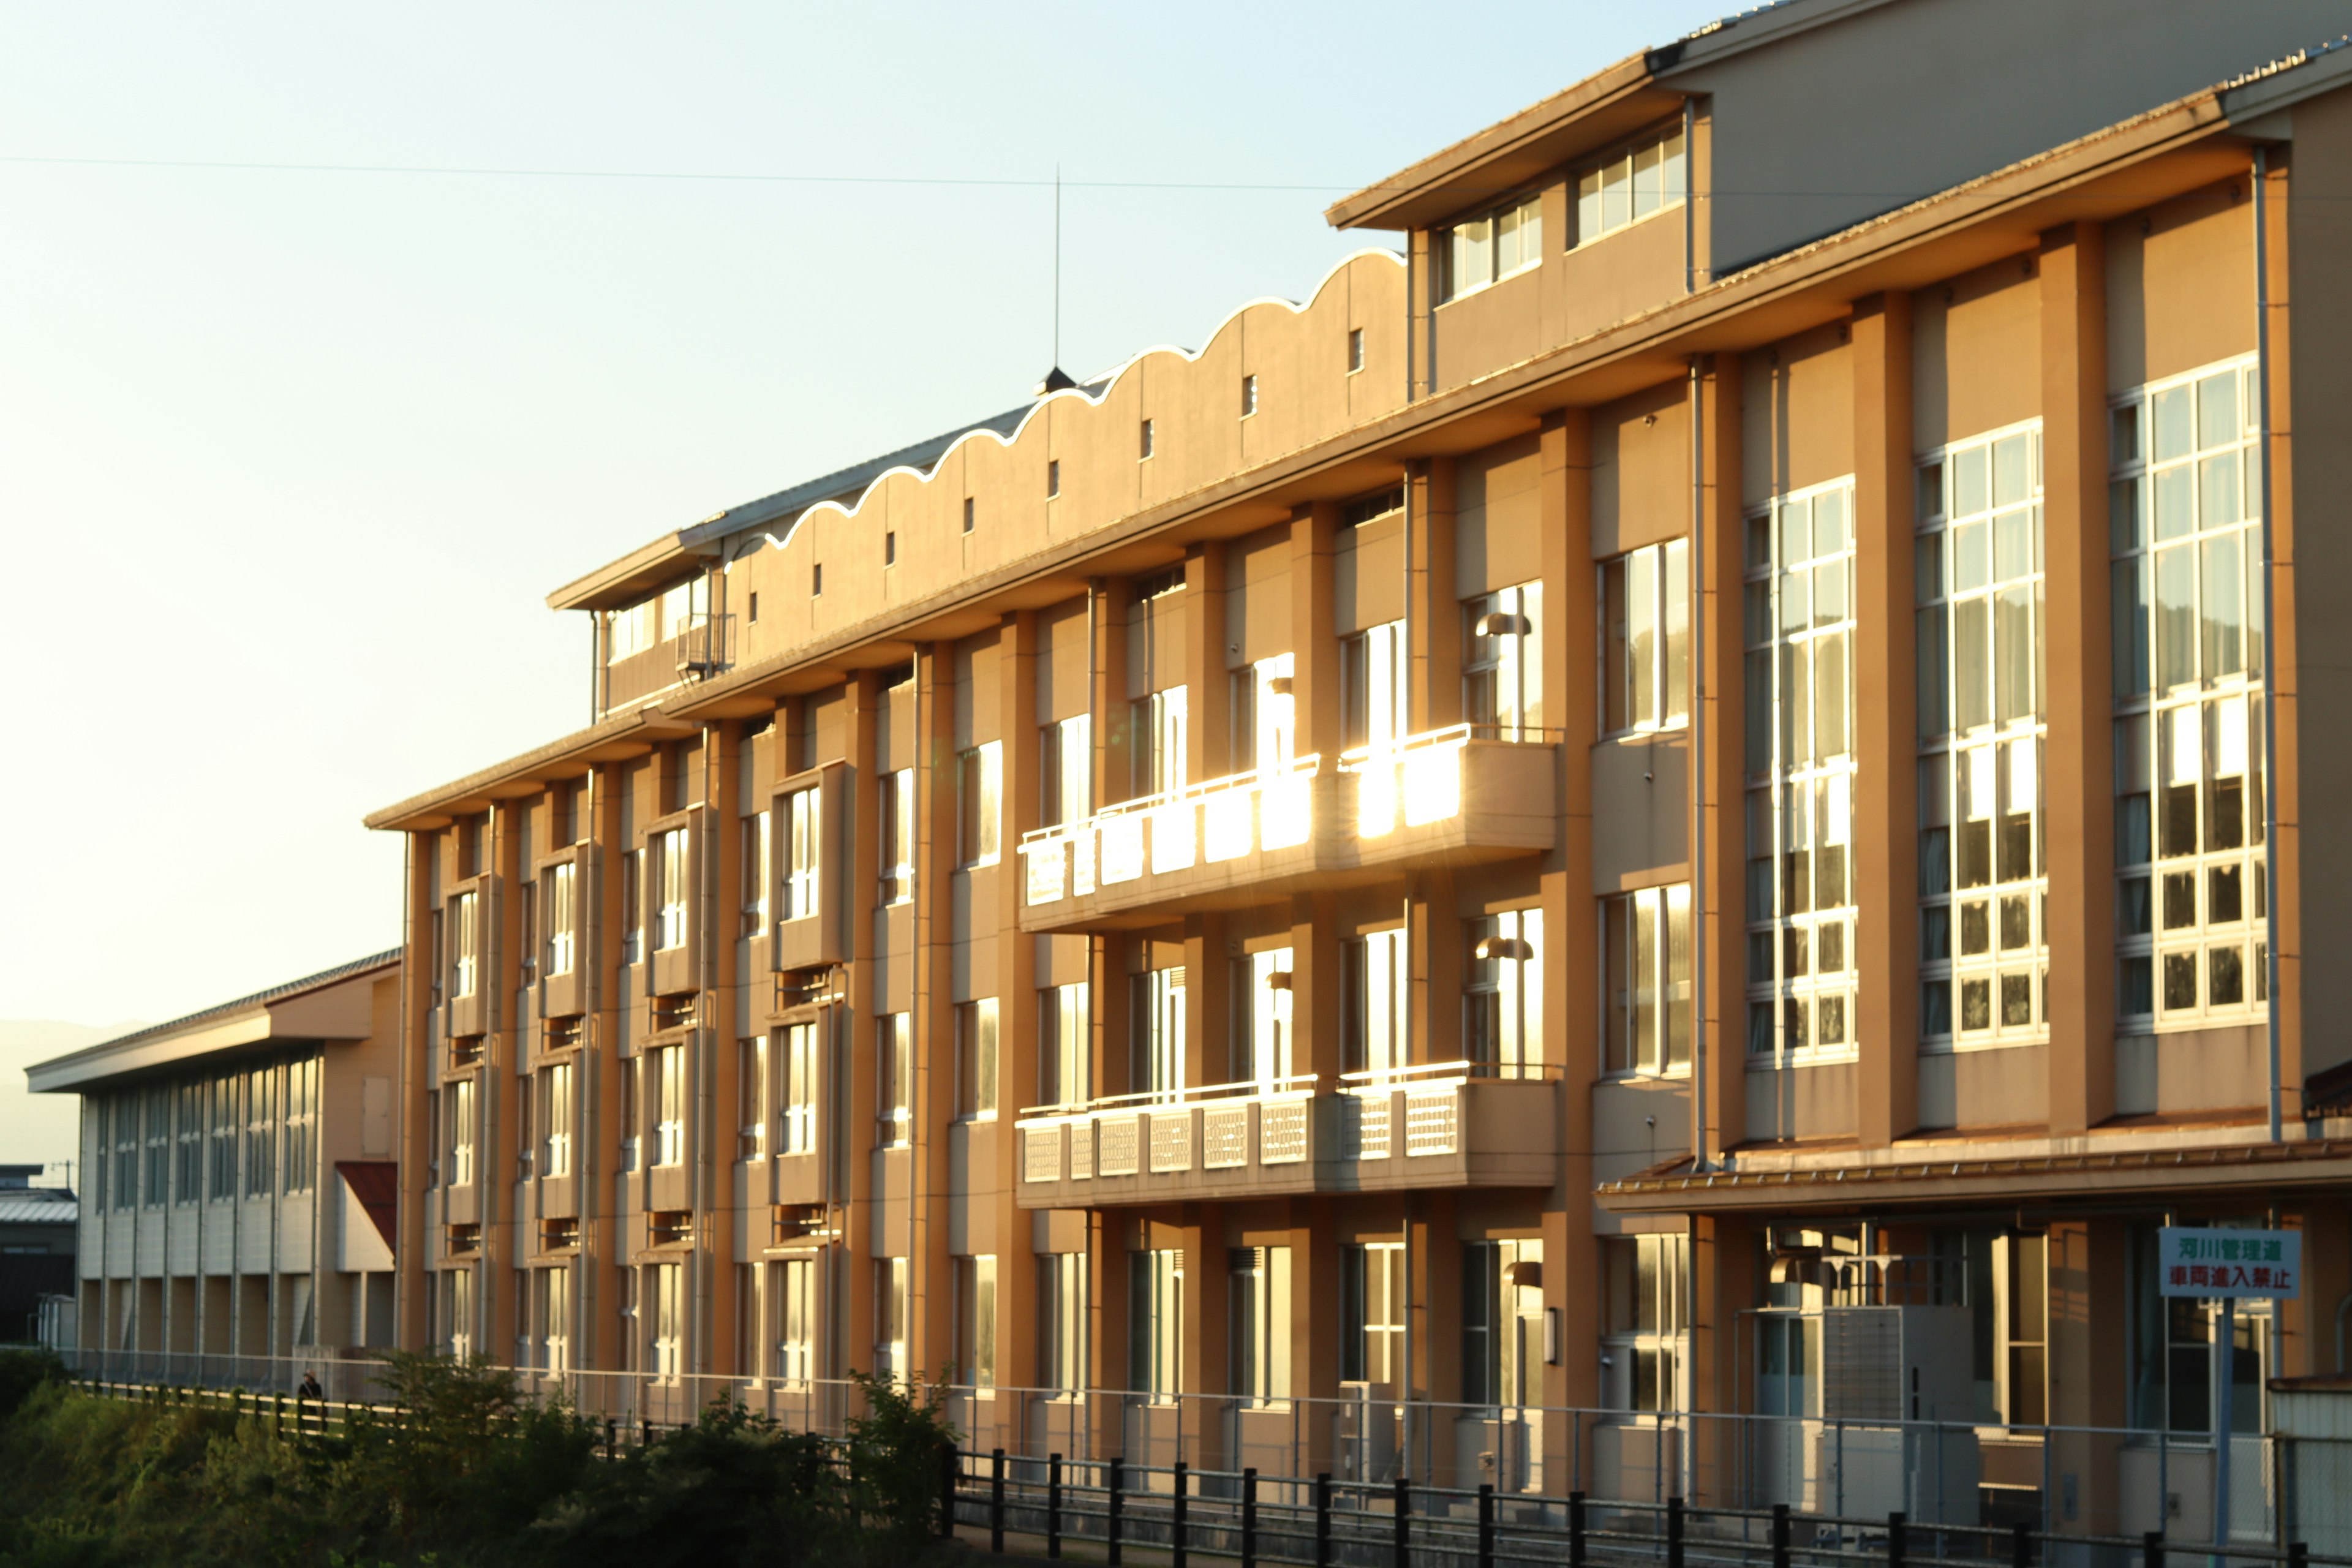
(1625, 156)
(1458, 251)
(1632, 1012)
(1645, 692)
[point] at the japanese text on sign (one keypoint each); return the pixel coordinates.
(2266, 1264)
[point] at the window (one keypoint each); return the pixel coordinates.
(1371, 1313)
(261, 1131)
(1155, 1323)
(1502, 994)
(562, 917)
(1261, 1034)
(462, 925)
(673, 865)
(752, 606)
(1143, 441)
(1646, 611)
(891, 1362)
(2172, 1339)
(797, 1320)
(897, 835)
(157, 1104)
(1376, 981)
(670, 1105)
(798, 1071)
(976, 1320)
(628, 632)
(1372, 686)
(967, 515)
(756, 846)
(1157, 1019)
(816, 579)
(2024, 1262)
(302, 1124)
(457, 1311)
(980, 796)
(1355, 350)
(1249, 395)
(1983, 879)
(226, 1118)
(1063, 1298)
(1502, 1323)
(801, 811)
(750, 1098)
(188, 1149)
(124, 1109)
(1648, 177)
(631, 1320)
(1259, 1290)
(975, 1024)
(2185, 531)
(1264, 715)
(1645, 1284)
(1502, 663)
(1156, 742)
(1799, 751)
(667, 1282)
(1645, 983)
(894, 1056)
(460, 1133)
(1065, 776)
(1052, 478)
(1064, 1046)
(891, 547)
(633, 906)
(1491, 246)
(555, 1319)
(555, 1117)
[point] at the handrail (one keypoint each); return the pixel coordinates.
(1254, 778)
(1177, 1099)
(1463, 1071)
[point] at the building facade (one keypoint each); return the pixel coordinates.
(239, 1183)
(1473, 868)
(37, 1231)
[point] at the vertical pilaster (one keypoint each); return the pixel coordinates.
(1723, 816)
(714, 1226)
(1206, 1365)
(1315, 681)
(415, 1276)
(1434, 631)
(1016, 1033)
(849, 1073)
(1886, 824)
(1208, 743)
(930, 1327)
(2078, 766)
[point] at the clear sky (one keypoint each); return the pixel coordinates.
(290, 459)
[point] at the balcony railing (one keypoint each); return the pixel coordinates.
(1448, 1124)
(1453, 793)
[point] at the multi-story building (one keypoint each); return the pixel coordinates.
(239, 1183)
(1692, 755)
(37, 1230)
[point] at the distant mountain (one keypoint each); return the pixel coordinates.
(42, 1127)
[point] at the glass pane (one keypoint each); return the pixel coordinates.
(1828, 523)
(1829, 693)
(1971, 552)
(1796, 706)
(1645, 181)
(2013, 545)
(2013, 655)
(2176, 614)
(1928, 635)
(1927, 568)
(1796, 601)
(2216, 409)
(2252, 539)
(1616, 196)
(2170, 416)
(1972, 484)
(2122, 436)
(2172, 501)
(2009, 480)
(1971, 659)
(2123, 516)
(2128, 625)
(1671, 182)
(1829, 592)
(1796, 532)
(2223, 606)
(2217, 492)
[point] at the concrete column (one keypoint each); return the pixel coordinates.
(415, 1086)
(931, 1328)
(1016, 1024)
(1315, 679)
(1723, 713)
(849, 1069)
(1208, 743)
(2088, 1283)
(601, 1071)
(714, 1226)
(1206, 1367)
(1432, 612)
(2078, 768)
(1886, 817)
(506, 1057)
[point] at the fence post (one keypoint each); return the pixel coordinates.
(1053, 1505)
(1675, 1531)
(2151, 1549)
(1895, 1542)
(2298, 1553)
(1249, 1516)
(1323, 1519)
(612, 1438)
(996, 1501)
(1576, 1530)
(2021, 1546)
(1176, 1517)
(1112, 1524)
(1780, 1535)
(1485, 1524)
(1403, 1522)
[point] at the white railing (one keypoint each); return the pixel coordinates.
(1410, 783)
(1204, 824)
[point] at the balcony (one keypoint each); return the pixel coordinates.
(1449, 796)
(1440, 1125)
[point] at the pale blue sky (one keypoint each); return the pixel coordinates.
(288, 460)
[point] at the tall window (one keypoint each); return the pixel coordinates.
(797, 1320)
(975, 1024)
(2175, 1344)
(457, 1311)
(1493, 246)
(890, 1357)
(801, 811)
(1261, 1034)
(1064, 1046)
(632, 907)
(976, 1320)
(1157, 741)
(1981, 704)
(1799, 746)
(1157, 1019)
(1063, 1298)
(261, 1131)
(670, 1105)
(1372, 1312)
(555, 1318)
(1155, 1323)
(797, 1071)
(1502, 1323)
(556, 1116)
(1647, 177)
(673, 865)
(123, 1108)
(1065, 777)
(1375, 986)
(188, 1149)
(894, 1056)
(1258, 1329)
(897, 835)
(1646, 980)
(302, 1124)
(1502, 994)
(157, 1104)
(462, 957)
(1645, 1284)
(2189, 647)
(979, 798)
(1372, 686)
(666, 1286)
(1264, 715)
(563, 916)
(227, 1118)
(756, 862)
(1502, 662)
(1645, 613)
(752, 1098)
(460, 1120)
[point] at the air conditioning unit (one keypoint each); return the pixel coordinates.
(1366, 1438)
(1888, 1375)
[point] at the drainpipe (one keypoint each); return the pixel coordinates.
(2269, 650)
(1699, 1159)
